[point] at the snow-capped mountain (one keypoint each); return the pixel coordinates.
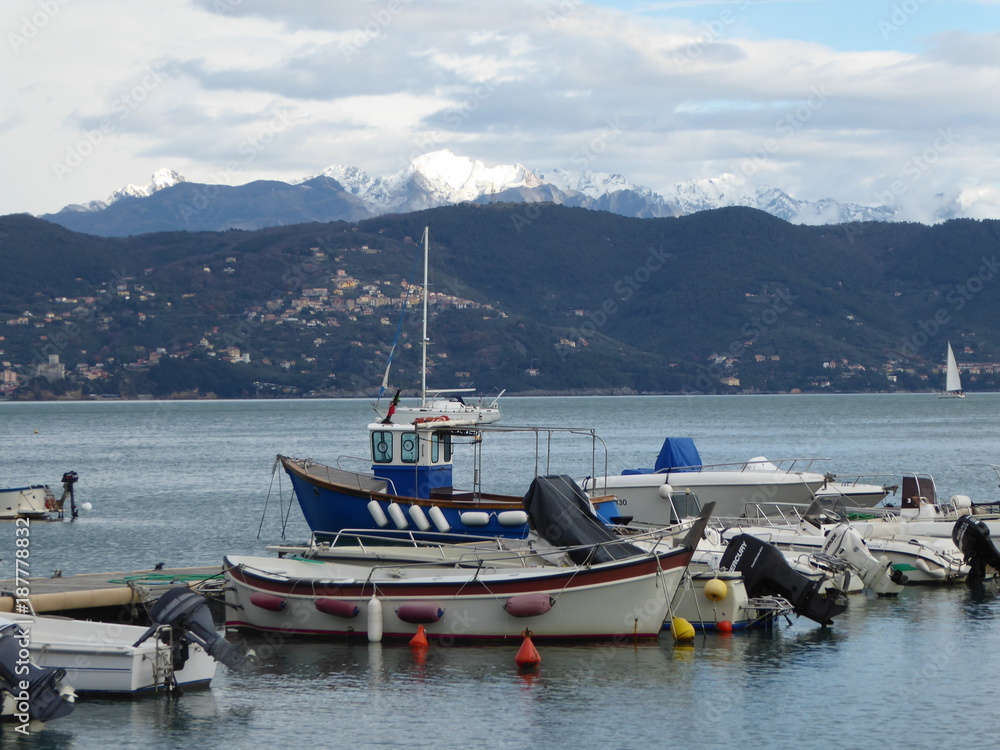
(435, 179)
(162, 178)
(439, 178)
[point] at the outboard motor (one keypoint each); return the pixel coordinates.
(845, 543)
(45, 697)
(186, 613)
(766, 572)
(972, 537)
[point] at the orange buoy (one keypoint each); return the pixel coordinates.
(527, 655)
(725, 626)
(420, 639)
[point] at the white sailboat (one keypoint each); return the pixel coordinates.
(438, 403)
(953, 381)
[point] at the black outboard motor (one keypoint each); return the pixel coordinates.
(68, 480)
(972, 537)
(43, 698)
(766, 572)
(187, 614)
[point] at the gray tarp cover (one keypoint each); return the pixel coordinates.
(559, 511)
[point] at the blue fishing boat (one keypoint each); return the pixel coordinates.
(410, 489)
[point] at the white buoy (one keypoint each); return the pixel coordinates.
(397, 516)
(419, 518)
(86, 506)
(377, 514)
(664, 491)
(437, 516)
(374, 620)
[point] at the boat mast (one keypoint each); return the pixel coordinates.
(423, 343)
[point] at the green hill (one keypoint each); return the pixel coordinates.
(531, 298)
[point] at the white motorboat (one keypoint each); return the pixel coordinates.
(609, 588)
(34, 501)
(180, 649)
(37, 501)
(953, 380)
(435, 403)
(813, 530)
(731, 487)
(29, 692)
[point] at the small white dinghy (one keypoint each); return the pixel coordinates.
(180, 650)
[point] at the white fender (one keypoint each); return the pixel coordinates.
(512, 518)
(374, 620)
(440, 522)
(475, 517)
(397, 516)
(419, 518)
(377, 514)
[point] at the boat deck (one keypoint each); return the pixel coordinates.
(95, 595)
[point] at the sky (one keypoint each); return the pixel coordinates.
(877, 102)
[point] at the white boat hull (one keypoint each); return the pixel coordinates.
(99, 657)
(26, 502)
(624, 598)
(639, 494)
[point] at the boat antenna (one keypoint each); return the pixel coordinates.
(395, 342)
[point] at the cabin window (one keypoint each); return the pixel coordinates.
(382, 447)
(446, 440)
(435, 447)
(408, 451)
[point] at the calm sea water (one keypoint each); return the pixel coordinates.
(185, 482)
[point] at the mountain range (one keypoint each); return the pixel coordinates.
(439, 178)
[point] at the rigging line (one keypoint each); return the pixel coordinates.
(266, 500)
(288, 512)
(402, 314)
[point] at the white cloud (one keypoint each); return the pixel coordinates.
(266, 89)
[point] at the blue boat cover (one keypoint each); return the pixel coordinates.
(677, 453)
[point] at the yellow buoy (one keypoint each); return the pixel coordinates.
(682, 629)
(716, 589)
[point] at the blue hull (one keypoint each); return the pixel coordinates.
(330, 508)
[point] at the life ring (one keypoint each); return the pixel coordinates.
(424, 420)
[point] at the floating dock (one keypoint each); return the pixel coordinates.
(102, 595)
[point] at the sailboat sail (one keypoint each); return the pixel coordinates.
(953, 382)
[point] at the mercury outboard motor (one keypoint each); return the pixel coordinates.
(972, 537)
(186, 613)
(37, 693)
(766, 572)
